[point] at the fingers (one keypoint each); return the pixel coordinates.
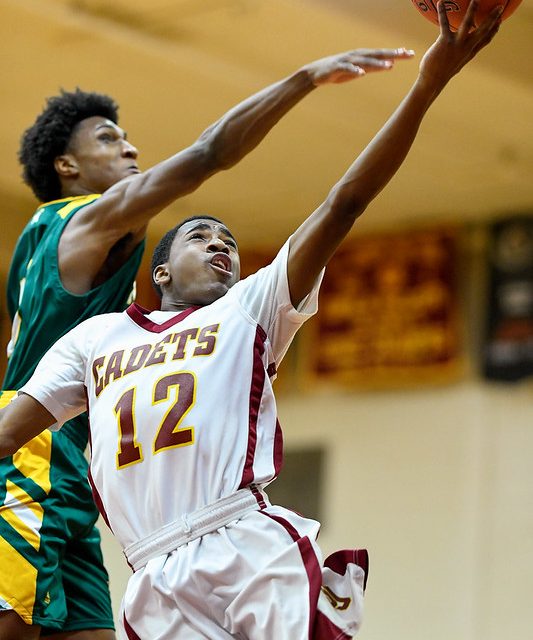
(443, 18)
(352, 64)
(372, 64)
(492, 23)
(344, 77)
(382, 54)
(349, 69)
(468, 22)
(468, 34)
(375, 59)
(489, 28)
(468, 25)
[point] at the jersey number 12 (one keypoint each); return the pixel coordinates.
(178, 388)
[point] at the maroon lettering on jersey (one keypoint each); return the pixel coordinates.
(114, 367)
(208, 339)
(158, 354)
(98, 379)
(137, 358)
(182, 337)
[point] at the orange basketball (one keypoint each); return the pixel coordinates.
(456, 10)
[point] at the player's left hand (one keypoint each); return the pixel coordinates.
(349, 65)
(453, 50)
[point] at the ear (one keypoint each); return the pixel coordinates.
(161, 275)
(66, 166)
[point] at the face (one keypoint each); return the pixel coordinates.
(100, 155)
(203, 264)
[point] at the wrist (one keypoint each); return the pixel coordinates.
(429, 86)
(307, 78)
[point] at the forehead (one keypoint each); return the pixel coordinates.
(203, 224)
(90, 126)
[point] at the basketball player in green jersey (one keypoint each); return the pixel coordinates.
(76, 258)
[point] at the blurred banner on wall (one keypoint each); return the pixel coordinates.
(508, 348)
(389, 311)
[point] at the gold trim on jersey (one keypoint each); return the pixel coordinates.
(75, 203)
(68, 199)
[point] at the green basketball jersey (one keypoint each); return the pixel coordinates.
(40, 308)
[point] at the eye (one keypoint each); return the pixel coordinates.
(231, 243)
(196, 236)
(105, 137)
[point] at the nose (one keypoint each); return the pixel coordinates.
(128, 150)
(216, 245)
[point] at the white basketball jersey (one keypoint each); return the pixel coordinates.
(181, 407)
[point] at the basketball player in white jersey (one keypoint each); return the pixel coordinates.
(184, 434)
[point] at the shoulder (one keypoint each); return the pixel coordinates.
(65, 208)
(52, 214)
(98, 325)
(270, 276)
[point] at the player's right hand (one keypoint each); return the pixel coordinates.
(349, 65)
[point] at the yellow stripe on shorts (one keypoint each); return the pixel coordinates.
(22, 513)
(25, 516)
(6, 397)
(33, 459)
(21, 578)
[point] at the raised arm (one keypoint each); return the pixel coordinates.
(126, 208)
(318, 237)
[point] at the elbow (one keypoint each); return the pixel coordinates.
(7, 447)
(8, 443)
(347, 206)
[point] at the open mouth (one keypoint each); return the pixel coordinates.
(221, 261)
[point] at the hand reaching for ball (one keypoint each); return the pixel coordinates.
(456, 10)
(453, 50)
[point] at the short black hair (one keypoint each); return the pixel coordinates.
(161, 253)
(50, 135)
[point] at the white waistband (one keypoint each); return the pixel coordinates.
(194, 525)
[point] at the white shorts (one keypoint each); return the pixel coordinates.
(260, 577)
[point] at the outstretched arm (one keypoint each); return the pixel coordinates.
(127, 207)
(318, 237)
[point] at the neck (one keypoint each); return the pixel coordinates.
(173, 305)
(76, 190)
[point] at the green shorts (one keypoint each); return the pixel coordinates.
(51, 570)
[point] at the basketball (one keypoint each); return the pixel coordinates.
(456, 10)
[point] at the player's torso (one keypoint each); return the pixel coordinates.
(42, 309)
(179, 417)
